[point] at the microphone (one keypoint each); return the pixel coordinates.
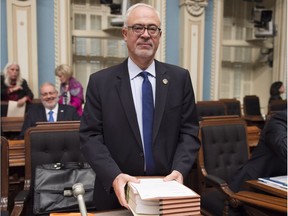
(78, 192)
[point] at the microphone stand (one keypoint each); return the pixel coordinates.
(78, 192)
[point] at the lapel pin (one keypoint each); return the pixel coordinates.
(61, 110)
(165, 81)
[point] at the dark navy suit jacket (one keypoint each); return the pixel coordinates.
(269, 158)
(110, 137)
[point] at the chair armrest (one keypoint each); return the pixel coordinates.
(19, 202)
(215, 181)
(223, 186)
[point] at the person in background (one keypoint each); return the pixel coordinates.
(276, 89)
(13, 86)
(49, 102)
(112, 137)
(269, 158)
(71, 90)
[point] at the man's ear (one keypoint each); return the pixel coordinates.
(124, 33)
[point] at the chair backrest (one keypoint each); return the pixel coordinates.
(50, 144)
(210, 108)
(224, 146)
(4, 174)
(251, 105)
(277, 105)
(233, 106)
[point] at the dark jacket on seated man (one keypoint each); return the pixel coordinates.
(39, 112)
(269, 158)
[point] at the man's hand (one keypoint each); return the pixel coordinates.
(119, 184)
(174, 175)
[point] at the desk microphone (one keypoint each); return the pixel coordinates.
(78, 192)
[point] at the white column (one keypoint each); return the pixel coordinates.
(22, 39)
(192, 26)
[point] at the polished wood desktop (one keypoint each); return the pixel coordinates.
(122, 212)
(16, 153)
(267, 200)
(267, 188)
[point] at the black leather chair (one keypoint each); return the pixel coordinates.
(210, 108)
(252, 111)
(277, 105)
(47, 144)
(224, 149)
(233, 106)
(4, 176)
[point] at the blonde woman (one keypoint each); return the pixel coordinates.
(71, 90)
(13, 86)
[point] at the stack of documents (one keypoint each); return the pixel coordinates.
(277, 181)
(153, 196)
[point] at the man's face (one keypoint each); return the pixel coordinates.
(49, 96)
(142, 46)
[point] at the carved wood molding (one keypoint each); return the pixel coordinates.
(196, 7)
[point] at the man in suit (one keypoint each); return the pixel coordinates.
(40, 112)
(111, 130)
(269, 158)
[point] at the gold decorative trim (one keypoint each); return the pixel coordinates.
(161, 7)
(196, 7)
(56, 32)
(216, 49)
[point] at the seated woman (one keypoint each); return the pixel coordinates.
(13, 86)
(71, 90)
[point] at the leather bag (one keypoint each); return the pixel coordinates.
(53, 186)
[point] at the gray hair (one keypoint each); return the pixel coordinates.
(7, 80)
(139, 5)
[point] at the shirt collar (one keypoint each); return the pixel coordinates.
(55, 109)
(134, 70)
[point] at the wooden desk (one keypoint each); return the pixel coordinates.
(16, 153)
(262, 202)
(267, 188)
(253, 135)
(122, 212)
(12, 124)
(274, 204)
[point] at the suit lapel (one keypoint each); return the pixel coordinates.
(61, 113)
(123, 87)
(162, 83)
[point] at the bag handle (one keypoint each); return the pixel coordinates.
(69, 165)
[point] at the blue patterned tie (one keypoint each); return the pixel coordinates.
(147, 116)
(51, 119)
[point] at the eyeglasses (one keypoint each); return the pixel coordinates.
(45, 94)
(139, 29)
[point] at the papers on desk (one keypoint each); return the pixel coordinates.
(153, 196)
(278, 181)
(14, 110)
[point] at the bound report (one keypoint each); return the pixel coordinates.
(153, 196)
(277, 181)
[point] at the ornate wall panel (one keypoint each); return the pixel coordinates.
(216, 49)
(161, 7)
(22, 39)
(192, 26)
(62, 29)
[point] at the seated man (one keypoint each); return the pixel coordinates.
(269, 158)
(41, 112)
